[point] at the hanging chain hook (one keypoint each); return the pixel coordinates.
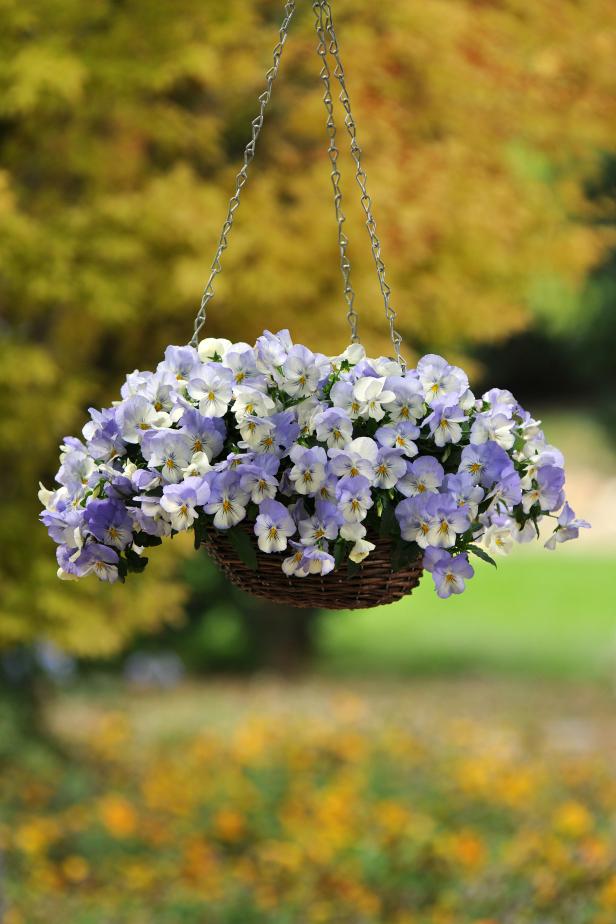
(242, 176)
(333, 152)
(360, 176)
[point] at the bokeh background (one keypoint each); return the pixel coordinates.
(172, 750)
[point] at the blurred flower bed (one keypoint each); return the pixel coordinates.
(275, 819)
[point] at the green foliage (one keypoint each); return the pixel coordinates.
(121, 126)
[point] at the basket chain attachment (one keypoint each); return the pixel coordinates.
(333, 152)
(242, 176)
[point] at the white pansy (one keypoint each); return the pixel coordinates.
(179, 512)
(371, 395)
(353, 354)
(342, 397)
(352, 532)
(499, 539)
(213, 347)
(250, 402)
(137, 415)
(361, 550)
(198, 465)
(307, 411)
(386, 366)
(212, 387)
(365, 447)
(495, 427)
(254, 431)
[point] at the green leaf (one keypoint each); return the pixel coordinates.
(403, 554)
(145, 540)
(244, 547)
(340, 551)
(387, 525)
(482, 555)
(135, 563)
(353, 568)
(199, 531)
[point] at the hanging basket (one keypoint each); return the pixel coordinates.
(375, 582)
(313, 481)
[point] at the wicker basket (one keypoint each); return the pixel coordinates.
(374, 585)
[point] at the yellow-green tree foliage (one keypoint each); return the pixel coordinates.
(122, 124)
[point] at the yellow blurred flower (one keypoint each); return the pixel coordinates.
(229, 824)
(392, 817)
(35, 835)
(572, 819)
(75, 868)
(608, 893)
(466, 848)
(117, 815)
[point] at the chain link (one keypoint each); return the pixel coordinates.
(333, 152)
(360, 176)
(242, 176)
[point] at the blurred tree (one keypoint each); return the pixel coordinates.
(570, 356)
(121, 126)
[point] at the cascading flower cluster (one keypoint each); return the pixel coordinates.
(319, 454)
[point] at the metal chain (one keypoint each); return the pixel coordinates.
(242, 176)
(325, 29)
(333, 152)
(360, 176)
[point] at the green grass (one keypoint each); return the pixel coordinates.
(544, 616)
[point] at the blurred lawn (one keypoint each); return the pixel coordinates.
(543, 614)
(263, 802)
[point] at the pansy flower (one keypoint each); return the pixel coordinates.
(273, 526)
(334, 427)
(227, 500)
(212, 387)
(308, 472)
(423, 476)
(354, 498)
(449, 572)
(568, 527)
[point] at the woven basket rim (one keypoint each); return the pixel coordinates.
(374, 583)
